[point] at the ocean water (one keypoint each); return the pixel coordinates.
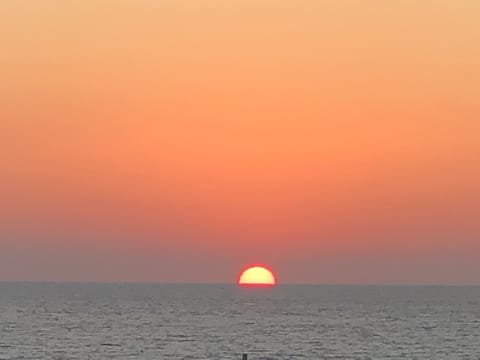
(147, 321)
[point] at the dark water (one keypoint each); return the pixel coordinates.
(141, 321)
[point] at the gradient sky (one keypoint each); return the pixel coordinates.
(337, 141)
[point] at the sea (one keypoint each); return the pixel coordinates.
(192, 321)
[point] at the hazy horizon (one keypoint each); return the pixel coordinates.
(234, 284)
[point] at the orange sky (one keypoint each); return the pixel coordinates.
(336, 141)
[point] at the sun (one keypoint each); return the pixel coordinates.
(257, 275)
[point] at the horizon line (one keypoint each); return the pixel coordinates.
(135, 282)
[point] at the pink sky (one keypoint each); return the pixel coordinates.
(337, 142)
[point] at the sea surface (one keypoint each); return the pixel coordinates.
(149, 321)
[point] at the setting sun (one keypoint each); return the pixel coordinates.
(257, 275)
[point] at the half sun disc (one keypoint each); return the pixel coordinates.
(257, 275)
